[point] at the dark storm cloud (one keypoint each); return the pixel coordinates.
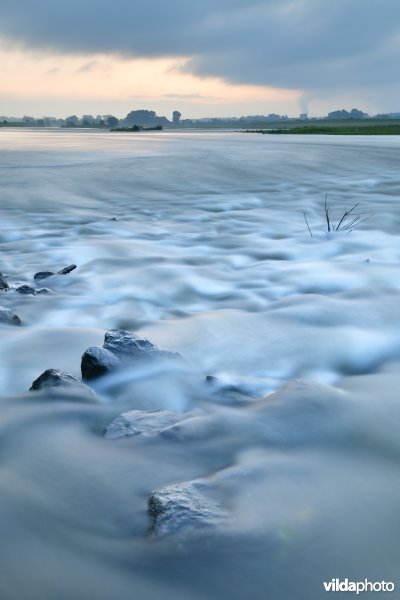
(310, 44)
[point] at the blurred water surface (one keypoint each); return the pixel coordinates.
(197, 240)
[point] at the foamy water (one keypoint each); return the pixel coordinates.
(198, 241)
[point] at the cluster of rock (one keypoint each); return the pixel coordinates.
(121, 349)
(7, 316)
(200, 505)
(172, 509)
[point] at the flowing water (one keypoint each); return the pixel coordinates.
(198, 242)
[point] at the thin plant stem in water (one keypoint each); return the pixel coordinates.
(347, 222)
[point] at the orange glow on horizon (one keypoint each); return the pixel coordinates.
(36, 75)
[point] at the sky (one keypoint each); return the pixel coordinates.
(201, 57)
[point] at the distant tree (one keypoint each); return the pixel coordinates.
(72, 121)
(345, 114)
(145, 118)
(176, 117)
(89, 119)
(112, 121)
(357, 114)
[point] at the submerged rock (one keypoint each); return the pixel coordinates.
(181, 508)
(6, 316)
(229, 392)
(137, 422)
(26, 290)
(196, 427)
(44, 274)
(121, 348)
(55, 378)
(3, 283)
(303, 413)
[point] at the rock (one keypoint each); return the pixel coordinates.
(183, 507)
(66, 270)
(26, 290)
(3, 283)
(119, 340)
(230, 392)
(98, 361)
(120, 349)
(6, 316)
(54, 378)
(44, 274)
(137, 422)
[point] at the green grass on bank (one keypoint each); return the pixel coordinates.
(392, 129)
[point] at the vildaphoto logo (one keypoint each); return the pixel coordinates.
(357, 587)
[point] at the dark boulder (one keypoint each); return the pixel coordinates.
(97, 361)
(6, 316)
(3, 283)
(120, 349)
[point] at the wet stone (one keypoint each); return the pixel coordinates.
(55, 378)
(182, 508)
(3, 283)
(66, 270)
(120, 349)
(6, 316)
(27, 290)
(97, 361)
(44, 274)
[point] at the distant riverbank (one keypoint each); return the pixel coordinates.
(393, 129)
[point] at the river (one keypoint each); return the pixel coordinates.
(198, 242)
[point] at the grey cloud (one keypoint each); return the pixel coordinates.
(308, 44)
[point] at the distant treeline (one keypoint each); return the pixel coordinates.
(148, 119)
